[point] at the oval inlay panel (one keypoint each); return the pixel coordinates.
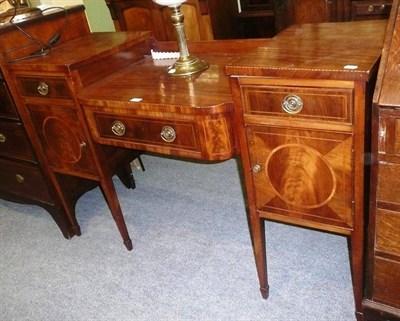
(300, 176)
(62, 140)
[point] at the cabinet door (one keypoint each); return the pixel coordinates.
(62, 138)
(302, 176)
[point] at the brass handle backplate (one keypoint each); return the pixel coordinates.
(2, 138)
(118, 128)
(43, 88)
(292, 104)
(19, 178)
(168, 134)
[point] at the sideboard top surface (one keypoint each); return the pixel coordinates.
(343, 51)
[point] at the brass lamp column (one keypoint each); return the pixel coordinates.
(186, 64)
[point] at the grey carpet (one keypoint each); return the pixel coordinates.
(192, 257)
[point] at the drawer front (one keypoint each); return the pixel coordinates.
(14, 141)
(388, 188)
(24, 180)
(387, 282)
(319, 104)
(44, 87)
(149, 131)
(7, 109)
(388, 232)
(371, 9)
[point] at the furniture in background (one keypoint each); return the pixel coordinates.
(228, 19)
(302, 107)
(44, 89)
(382, 299)
(314, 11)
(204, 19)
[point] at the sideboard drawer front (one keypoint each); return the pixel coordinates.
(7, 108)
(14, 141)
(46, 87)
(149, 131)
(318, 104)
(387, 282)
(23, 179)
(388, 232)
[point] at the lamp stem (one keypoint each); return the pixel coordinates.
(177, 19)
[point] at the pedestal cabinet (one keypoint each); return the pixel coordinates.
(45, 87)
(21, 178)
(382, 300)
(302, 105)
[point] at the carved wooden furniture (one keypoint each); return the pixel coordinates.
(382, 300)
(45, 92)
(302, 105)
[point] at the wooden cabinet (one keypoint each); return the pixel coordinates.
(301, 117)
(256, 19)
(382, 300)
(204, 19)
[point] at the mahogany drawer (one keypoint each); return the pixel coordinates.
(371, 9)
(7, 109)
(24, 180)
(317, 104)
(388, 232)
(387, 282)
(46, 87)
(14, 141)
(388, 188)
(147, 131)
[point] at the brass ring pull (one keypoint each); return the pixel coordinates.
(2, 138)
(168, 134)
(118, 128)
(43, 88)
(370, 8)
(292, 104)
(19, 178)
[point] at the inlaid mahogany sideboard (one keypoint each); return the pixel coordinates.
(295, 107)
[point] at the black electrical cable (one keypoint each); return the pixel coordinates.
(44, 49)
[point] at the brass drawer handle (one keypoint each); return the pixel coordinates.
(43, 88)
(19, 178)
(371, 8)
(118, 128)
(2, 138)
(292, 104)
(168, 134)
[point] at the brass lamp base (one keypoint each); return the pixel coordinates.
(186, 66)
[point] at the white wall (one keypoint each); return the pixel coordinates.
(96, 11)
